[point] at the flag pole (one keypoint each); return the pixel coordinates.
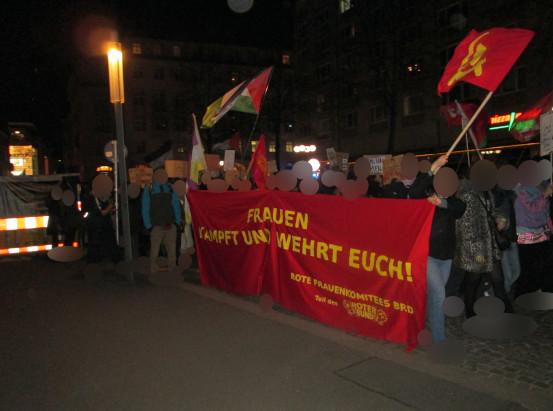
(471, 133)
(469, 124)
(468, 154)
(258, 114)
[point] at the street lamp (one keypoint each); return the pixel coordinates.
(117, 97)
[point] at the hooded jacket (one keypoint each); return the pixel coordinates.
(160, 206)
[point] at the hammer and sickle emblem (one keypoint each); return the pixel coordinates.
(473, 61)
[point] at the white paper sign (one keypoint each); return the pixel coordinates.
(229, 160)
(377, 163)
(546, 134)
(331, 156)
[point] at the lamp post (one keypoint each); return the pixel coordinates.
(117, 97)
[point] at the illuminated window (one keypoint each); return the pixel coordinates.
(345, 5)
(136, 48)
(272, 148)
(286, 59)
(177, 51)
(289, 147)
(254, 145)
(24, 160)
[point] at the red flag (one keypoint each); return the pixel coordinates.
(527, 125)
(259, 164)
(485, 58)
(456, 117)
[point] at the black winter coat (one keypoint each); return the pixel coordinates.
(442, 236)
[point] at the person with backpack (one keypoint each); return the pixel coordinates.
(162, 214)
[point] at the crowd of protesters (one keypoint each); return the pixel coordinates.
(483, 241)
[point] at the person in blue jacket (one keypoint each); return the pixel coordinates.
(161, 213)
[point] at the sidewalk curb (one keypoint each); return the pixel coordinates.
(416, 361)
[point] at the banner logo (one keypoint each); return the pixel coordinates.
(473, 61)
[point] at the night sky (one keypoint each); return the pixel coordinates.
(39, 43)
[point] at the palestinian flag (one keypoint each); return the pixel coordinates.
(245, 98)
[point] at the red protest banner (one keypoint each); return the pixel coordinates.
(355, 265)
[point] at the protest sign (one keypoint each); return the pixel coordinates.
(315, 255)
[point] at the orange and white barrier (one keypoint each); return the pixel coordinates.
(30, 249)
(23, 223)
(24, 250)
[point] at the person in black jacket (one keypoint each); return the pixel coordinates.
(442, 239)
(440, 258)
(510, 261)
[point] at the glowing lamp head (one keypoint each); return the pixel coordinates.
(115, 68)
(315, 164)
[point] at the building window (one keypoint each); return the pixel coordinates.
(413, 105)
(349, 32)
(234, 77)
(138, 99)
(345, 5)
(460, 92)
(378, 49)
(272, 148)
(180, 124)
(102, 116)
(180, 102)
(323, 72)
(136, 48)
(159, 103)
(138, 73)
(177, 51)
(254, 145)
(141, 147)
(350, 120)
(515, 81)
(139, 123)
(324, 126)
(286, 59)
(161, 123)
(446, 55)
(451, 15)
(156, 49)
(377, 114)
(178, 74)
(159, 73)
(289, 147)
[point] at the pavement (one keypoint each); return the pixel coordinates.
(70, 342)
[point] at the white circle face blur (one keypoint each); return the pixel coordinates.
(240, 6)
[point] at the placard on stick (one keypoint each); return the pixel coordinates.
(229, 160)
(177, 168)
(546, 134)
(212, 161)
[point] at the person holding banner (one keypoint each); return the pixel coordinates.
(442, 239)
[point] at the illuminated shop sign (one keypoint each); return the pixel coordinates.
(500, 121)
